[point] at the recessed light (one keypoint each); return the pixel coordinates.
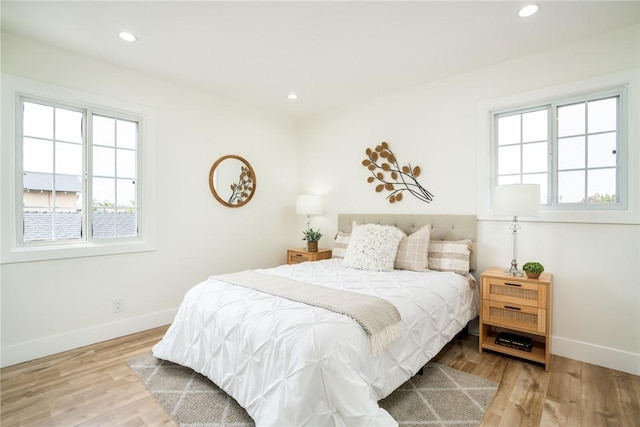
(528, 10)
(126, 36)
(292, 96)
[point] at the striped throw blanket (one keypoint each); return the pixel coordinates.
(378, 317)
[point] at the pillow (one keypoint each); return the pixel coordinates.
(447, 255)
(373, 247)
(413, 251)
(340, 245)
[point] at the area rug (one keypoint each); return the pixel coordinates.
(442, 396)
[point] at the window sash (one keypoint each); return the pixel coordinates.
(539, 175)
(124, 218)
(586, 168)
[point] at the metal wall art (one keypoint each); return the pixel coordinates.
(386, 171)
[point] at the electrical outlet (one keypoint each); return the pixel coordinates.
(118, 305)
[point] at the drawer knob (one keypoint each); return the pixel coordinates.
(510, 307)
(513, 284)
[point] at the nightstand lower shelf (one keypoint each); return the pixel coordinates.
(537, 353)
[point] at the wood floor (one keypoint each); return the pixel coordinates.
(92, 386)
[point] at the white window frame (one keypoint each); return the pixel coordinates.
(627, 210)
(552, 147)
(12, 248)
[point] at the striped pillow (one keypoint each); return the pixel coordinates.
(413, 251)
(340, 245)
(447, 255)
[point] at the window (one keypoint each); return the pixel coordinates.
(77, 185)
(573, 148)
(74, 174)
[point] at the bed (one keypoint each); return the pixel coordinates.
(289, 363)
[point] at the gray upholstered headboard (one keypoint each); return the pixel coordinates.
(443, 227)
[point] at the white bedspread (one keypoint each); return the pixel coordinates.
(289, 364)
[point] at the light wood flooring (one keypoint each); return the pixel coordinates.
(93, 386)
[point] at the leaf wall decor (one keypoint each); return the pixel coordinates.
(240, 191)
(387, 174)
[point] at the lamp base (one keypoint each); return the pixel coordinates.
(513, 270)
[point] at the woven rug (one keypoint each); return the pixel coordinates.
(442, 396)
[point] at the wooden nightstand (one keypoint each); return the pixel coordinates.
(294, 256)
(516, 305)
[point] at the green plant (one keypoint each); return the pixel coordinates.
(311, 235)
(533, 267)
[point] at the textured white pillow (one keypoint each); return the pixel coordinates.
(413, 251)
(340, 245)
(373, 247)
(450, 255)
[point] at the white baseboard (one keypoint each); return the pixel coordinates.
(589, 353)
(30, 350)
(596, 355)
(35, 349)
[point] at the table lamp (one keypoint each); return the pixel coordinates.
(309, 205)
(516, 200)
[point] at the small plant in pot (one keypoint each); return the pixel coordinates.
(312, 236)
(533, 269)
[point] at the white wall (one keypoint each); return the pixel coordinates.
(596, 307)
(51, 306)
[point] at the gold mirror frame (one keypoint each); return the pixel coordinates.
(241, 183)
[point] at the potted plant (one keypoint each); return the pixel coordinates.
(312, 236)
(533, 269)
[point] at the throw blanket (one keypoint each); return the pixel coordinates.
(378, 317)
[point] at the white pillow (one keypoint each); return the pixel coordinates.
(413, 251)
(373, 247)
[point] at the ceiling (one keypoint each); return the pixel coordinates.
(328, 52)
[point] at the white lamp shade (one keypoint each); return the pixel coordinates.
(309, 205)
(517, 200)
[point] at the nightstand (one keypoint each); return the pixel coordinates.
(295, 256)
(516, 305)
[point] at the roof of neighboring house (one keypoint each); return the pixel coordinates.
(44, 181)
(68, 225)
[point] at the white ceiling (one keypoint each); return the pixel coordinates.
(329, 53)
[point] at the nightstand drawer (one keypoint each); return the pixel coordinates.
(522, 317)
(515, 292)
(297, 257)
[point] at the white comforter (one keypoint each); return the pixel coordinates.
(289, 364)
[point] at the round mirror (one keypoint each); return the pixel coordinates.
(232, 181)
